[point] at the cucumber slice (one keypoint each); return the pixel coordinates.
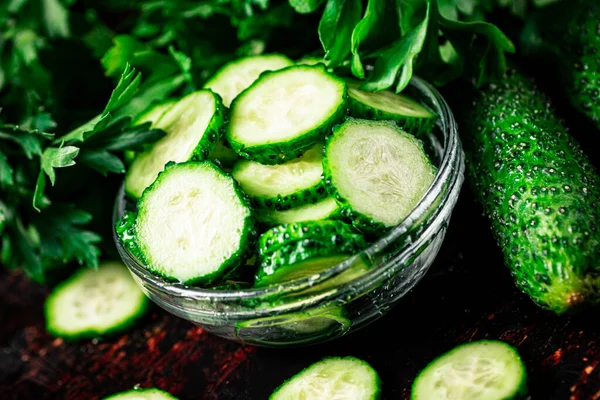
(142, 394)
(377, 173)
(323, 231)
(345, 378)
(285, 112)
(237, 75)
(324, 209)
(387, 105)
(125, 229)
(294, 329)
(310, 60)
(283, 186)
(153, 114)
(193, 127)
(482, 370)
(194, 224)
(94, 303)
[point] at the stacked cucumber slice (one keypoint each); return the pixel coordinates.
(316, 165)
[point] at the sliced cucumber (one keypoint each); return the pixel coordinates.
(482, 370)
(141, 394)
(283, 235)
(283, 186)
(153, 114)
(387, 105)
(193, 127)
(345, 378)
(377, 172)
(303, 254)
(324, 209)
(310, 60)
(237, 75)
(125, 229)
(285, 112)
(194, 224)
(95, 303)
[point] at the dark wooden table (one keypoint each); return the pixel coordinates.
(467, 295)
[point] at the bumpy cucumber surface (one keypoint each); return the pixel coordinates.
(283, 235)
(237, 75)
(539, 190)
(345, 378)
(141, 394)
(482, 370)
(193, 128)
(565, 34)
(283, 186)
(377, 172)
(324, 209)
(387, 105)
(194, 224)
(285, 112)
(94, 303)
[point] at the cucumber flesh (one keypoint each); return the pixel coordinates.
(192, 126)
(282, 186)
(285, 112)
(94, 303)
(377, 172)
(193, 225)
(321, 210)
(141, 394)
(152, 115)
(482, 370)
(387, 105)
(345, 378)
(237, 75)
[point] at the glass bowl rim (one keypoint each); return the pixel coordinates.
(447, 170)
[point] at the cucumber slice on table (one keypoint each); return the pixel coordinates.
(141, 394)
(324, 209)
(387, 105)
(93, 303)
(283, 186)
(193, 127)
(345, 378)
(237, 75)
(285, 112)
(482, 370)
(377, 172)
(153, 115)
(194, 224)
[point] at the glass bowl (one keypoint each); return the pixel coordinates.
(327, 305)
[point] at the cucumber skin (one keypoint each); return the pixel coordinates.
(265, 217)
(125, 229)
(536, 185)
(378, 382)
(283, 203)
(117, 396)
(246, 247)
(278, 153)
(303, 250)
(418, 127)
(567, 33)
(283, 235)
(208, 142)
(89, 334)
(520, 394)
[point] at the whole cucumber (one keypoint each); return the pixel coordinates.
(539, 190)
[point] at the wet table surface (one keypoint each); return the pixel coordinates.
(468, 294)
